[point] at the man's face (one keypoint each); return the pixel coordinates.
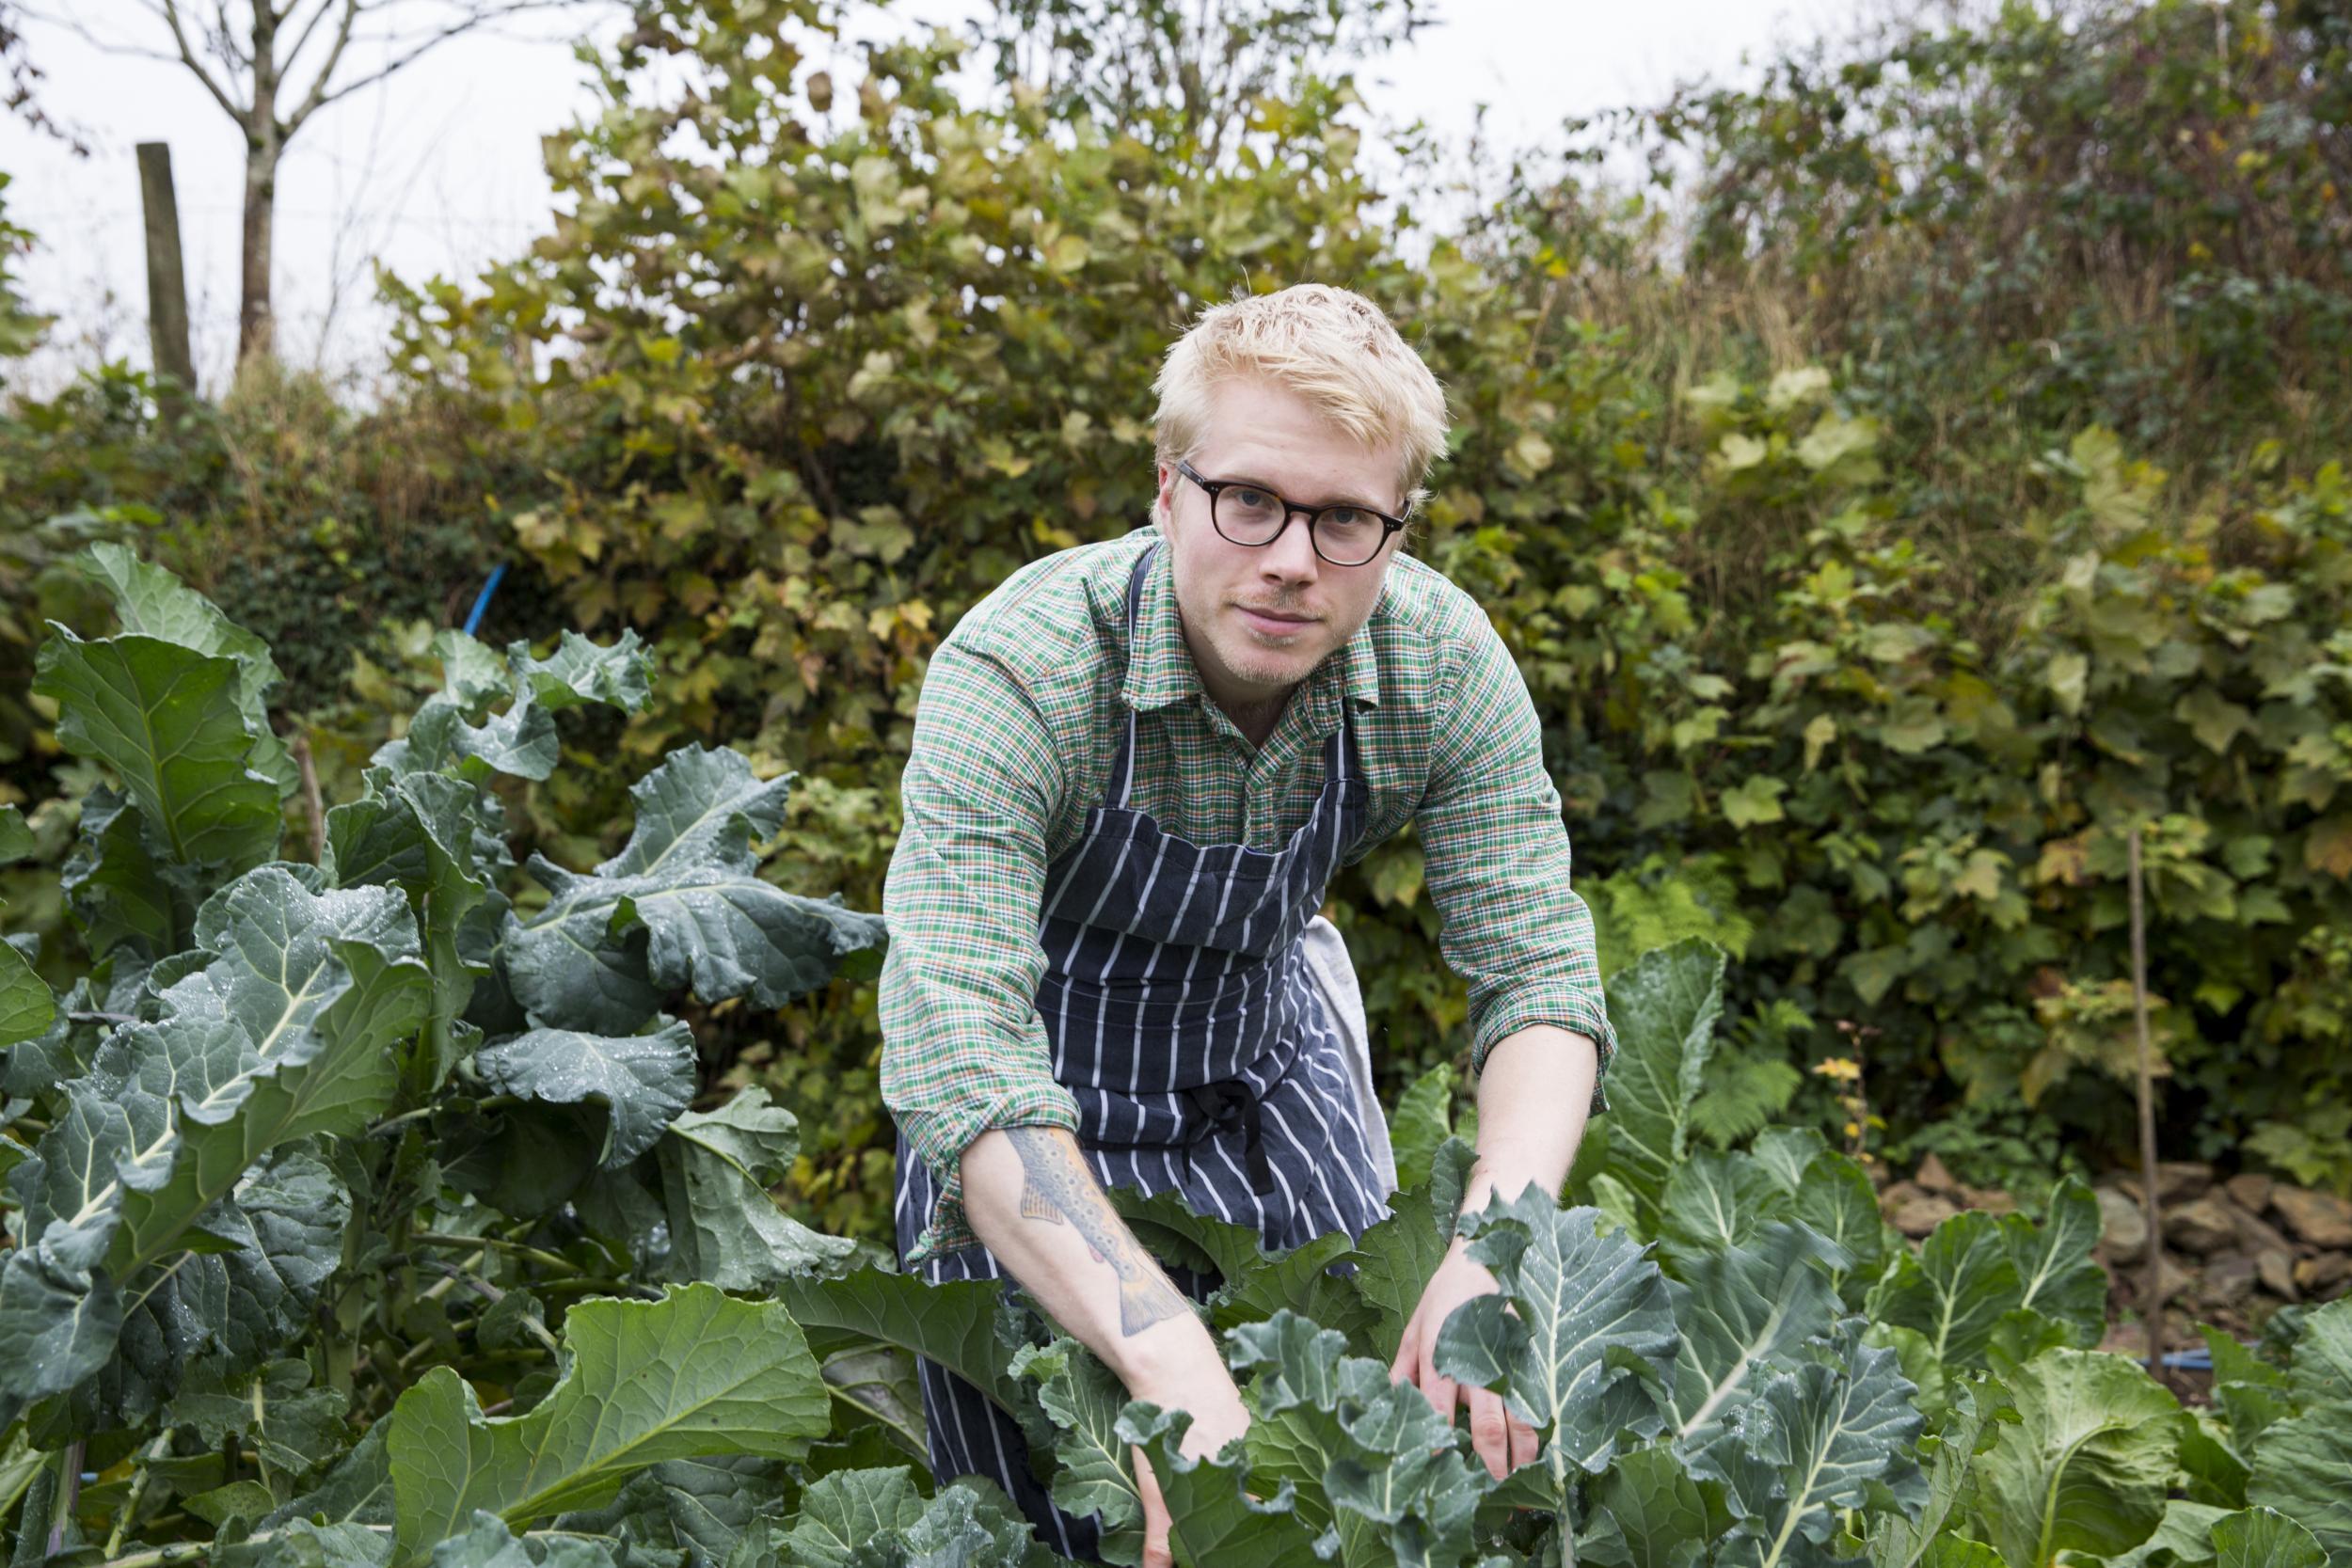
(1259, 619)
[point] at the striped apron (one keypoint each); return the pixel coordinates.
(1184, 1021)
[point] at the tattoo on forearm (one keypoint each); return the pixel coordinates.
(1057, 1187)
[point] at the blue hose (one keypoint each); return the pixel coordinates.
(481, 600)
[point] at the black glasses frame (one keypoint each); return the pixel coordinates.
(1313, 514)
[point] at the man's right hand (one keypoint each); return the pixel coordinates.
(1218, 1416)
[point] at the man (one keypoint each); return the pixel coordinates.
(1136, 766)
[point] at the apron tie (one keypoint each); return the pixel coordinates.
(1228, 1105)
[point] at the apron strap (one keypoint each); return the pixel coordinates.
(1123, 779)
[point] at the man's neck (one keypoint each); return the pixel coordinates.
(1256, 721)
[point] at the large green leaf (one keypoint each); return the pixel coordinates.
(680, 906)
(1095, 1472)
(1214, 1519)
(878, 1519)
(1740, 1311)
(1648, 1513)
(484, 1541)
(1423, 1120)
(1401, 1254)
(1898, 1539)
(954, 1323)
(2265, 1538)
(1716, 1200)
(2086, 1466)
(27, 1007)
(716, 1170)
(151, 602)
(116, 889)
(1374, 1459)
(643, 1081)
(436, 838)
(167, 719)
(1590, 1337)
(696, 1373)
(1823, 1437)
(1954, 1291)
(1664, 1006)
(2056, 1273)
(279, 1025)
(2299, 1469)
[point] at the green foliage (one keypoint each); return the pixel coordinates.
(292, 1105)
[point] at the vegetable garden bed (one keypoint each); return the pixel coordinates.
(359, 1217)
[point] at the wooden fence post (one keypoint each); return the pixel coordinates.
(166, 281)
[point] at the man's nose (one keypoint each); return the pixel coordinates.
(1292, 553)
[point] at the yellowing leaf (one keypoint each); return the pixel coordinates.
(2328, 847)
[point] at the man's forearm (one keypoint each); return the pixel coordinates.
(1534, 1096)
(1034, 1201)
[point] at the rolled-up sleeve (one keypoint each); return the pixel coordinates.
(1496, 854)
(964, 1049)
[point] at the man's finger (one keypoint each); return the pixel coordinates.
(1437, 1388)
(1490, 1439)
(1407, 1357)
(1155, 1521)
(1523, 1444)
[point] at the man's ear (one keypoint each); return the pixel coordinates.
(1164, 500)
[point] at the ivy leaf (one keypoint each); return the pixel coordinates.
(644, 1081)
(2086, 1464)
(1754, 801)
(696, 1373)
(679, 906)
(1664, 1006)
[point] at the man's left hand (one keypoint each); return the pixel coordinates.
(1502, 1441)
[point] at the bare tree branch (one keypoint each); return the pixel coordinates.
(105, 45)
(187, 57)
(326, 7)
(317, 95)
(473, 19)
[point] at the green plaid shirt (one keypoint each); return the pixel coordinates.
(1015, 736)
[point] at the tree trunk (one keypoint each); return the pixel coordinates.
(257, 331)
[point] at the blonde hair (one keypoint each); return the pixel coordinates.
(1332, 347)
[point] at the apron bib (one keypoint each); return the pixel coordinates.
(1184, 1020)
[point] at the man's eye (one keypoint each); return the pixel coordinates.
(1253, 498)
(1347, 516)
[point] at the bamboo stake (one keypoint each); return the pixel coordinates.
(2153, 1310)
(313, 809)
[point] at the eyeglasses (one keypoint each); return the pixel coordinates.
(1242, 513)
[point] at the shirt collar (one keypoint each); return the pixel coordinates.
(1160, 671)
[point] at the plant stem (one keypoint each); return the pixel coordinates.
(161, 1447)
(496, 1244)
(2154, 1308)
(68, 1495)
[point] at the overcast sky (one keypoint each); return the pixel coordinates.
(438, 172)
